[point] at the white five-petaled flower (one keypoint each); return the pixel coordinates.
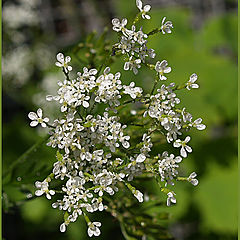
(166, 27)
(93, 229)
(162, 67)
(63, 62)
(38, 118)
(192, 179)
(171, 198)
(191, 82)
(144, 9)
(184, 147)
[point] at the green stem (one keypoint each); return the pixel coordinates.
(136, 19)
(154, 31)
(66, 74)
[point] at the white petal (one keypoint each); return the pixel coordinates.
(141, 158)
(178, 159)
(49, 97)
(106, 70)
(67, 59)
(90, 232)
(198, 121)
(162, 77)
(33, 123)
(187, 139)
(97, 232)
(38, 184)
(177, 144)
(93, 71)
(115, 21)
(46, 119)
(85, 104)
(194, 85)
(194, 182)
(163, 20)
(147, 16)
(52, 192)
(48, 196)
(33, 116)
(39, 192)
(98, 224)
(193, 78)
(146, 8)
(183, 152)
(39, 113)
(173, 200)
(58, 64)
(167, 70)
(126, 66)
(63, 227)
(193, 175)
(201, 127)
(164, 64)
(189, 149)
(60, 57)
(139, 4)
(124, 21)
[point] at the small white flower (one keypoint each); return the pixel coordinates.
(162, 67)
(63, 62)
(198, 124)
(132, 65)
(38, 118)
(93, 229)
(43, 188)
(120, 26)
(191, 82)
(144, 9)
(192, 179)
(166, 27)
(171, 198)
(184, 147)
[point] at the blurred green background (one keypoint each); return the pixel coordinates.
(203, 41)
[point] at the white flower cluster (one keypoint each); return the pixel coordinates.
(162, 107)
(133, 44)
(95, 155)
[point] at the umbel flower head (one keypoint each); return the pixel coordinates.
(107, 128)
